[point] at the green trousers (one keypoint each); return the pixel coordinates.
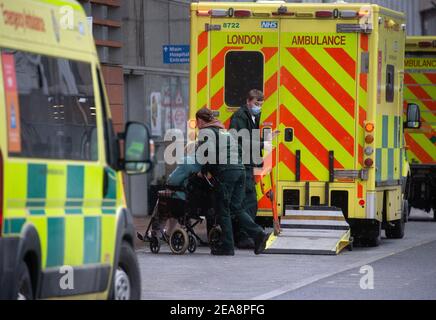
(230, 198)
(250, 204)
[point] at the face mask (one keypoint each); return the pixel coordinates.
(255, 110)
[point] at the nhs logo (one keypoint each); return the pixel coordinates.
(269, 24)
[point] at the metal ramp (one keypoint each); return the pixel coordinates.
(312, 230)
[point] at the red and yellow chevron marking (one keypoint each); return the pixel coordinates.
(269, 118)
(269, 48)
(317, 96)
(202, 66)
(420, 88)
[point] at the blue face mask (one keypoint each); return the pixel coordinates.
(255, 110)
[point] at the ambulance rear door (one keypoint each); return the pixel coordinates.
(318, 101)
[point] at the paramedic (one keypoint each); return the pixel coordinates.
(231, 176)
(248, 117)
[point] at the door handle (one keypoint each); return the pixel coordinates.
(289, 134)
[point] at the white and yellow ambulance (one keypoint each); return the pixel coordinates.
(332, 76)
(65, 230)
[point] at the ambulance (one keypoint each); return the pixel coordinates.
(332, 76)
(420, 89)
(65, 229)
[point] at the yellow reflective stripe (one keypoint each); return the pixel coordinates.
(318, 131)
(74, 235)
(16, 192)
(426, 113)
(56, 189)
(108, 237)
(202, 62)
(334, 69)
(308, 158)
(426, 144)
(391, 133)
(285, 173)
(93, 190)
(319, 93)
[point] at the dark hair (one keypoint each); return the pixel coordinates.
(255, 94)
(205, 114)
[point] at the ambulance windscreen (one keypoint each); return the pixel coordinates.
(243, 72)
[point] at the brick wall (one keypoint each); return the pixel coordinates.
(114, 81)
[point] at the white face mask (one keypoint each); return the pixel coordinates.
(255, 110)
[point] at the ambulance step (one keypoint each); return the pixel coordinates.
(321, 232)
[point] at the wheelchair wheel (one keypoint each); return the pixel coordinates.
(179, 241)
(154, 245)
(192, 244)
(214, 237)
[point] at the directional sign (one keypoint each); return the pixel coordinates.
(175, 54)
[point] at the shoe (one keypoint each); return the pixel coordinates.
(221, 252)
(260, 243)
(245, 243)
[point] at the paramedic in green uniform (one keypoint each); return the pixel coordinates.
(224, 163)
(248, 117)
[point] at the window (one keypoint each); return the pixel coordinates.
(390, 75)
(243, 72)
(56, 108)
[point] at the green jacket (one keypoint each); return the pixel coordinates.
(242, 119)
(221, 145)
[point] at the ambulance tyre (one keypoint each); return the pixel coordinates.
(127, 280)
(367, 235)
(395, 230)
(25, 291)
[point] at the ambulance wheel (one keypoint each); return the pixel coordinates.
(25, 291)
(127, 279)
(192, 244)
(396, 231)
(214, 237)
(154, 245)
(405, 210)
(179, 241)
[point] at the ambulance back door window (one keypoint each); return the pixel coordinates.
(243, 72)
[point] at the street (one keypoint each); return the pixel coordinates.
(401, 269)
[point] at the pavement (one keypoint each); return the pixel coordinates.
(397, 269)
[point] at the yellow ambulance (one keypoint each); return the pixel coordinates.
(65, 230)
(332, 77)
(420, 89)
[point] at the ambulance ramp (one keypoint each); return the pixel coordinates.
(311, 231)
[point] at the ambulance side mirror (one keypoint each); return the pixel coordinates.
(136, 148)
(413, 120)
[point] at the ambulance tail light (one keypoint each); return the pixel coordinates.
(324, 14)
(1, 192)
(218, 13)
(369, 127)
(203, 13)
(242, 13)
(369, 151)
(425, 44)
(369, 139)
(368, 162)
